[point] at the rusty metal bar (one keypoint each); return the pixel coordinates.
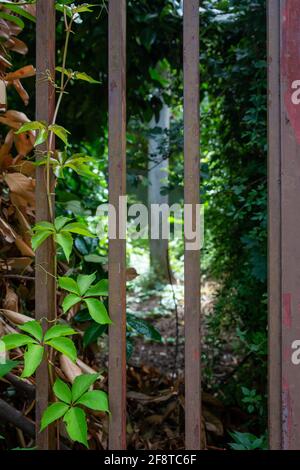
(274, 232)
(117, 246)
(45, 285)
(191, 197)
(290, 220)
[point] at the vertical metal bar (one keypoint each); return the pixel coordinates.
(191, 197)
(290, 221)
(274, 232)
(117, 246)
(45, 285)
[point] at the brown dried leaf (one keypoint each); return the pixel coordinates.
(11, 301)
(22, 186)
(24, 72)
(17, 265)
(70, 370)
(21, 91)
(15, 317)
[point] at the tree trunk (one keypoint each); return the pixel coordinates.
(158, 177)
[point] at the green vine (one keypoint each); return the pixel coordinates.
(70, 404)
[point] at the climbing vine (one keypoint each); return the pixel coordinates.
(70, 404)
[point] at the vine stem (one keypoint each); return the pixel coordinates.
(63, 85)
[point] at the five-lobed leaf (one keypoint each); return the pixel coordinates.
(57, 331)
(99, 289)
(68, 284)
(81, 384)
(98, 311)
(33, 328)
(64, 346)
(76, 425)
(60, 222)
(95, 400)
(65, 240)
(32, 359)
(16, 340)
(62, 391)
(52, 413)
(79, 229)
(84, 281)
(60, 132)
(38, 238)
(69, 301)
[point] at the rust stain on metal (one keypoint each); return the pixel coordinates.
(287, 421)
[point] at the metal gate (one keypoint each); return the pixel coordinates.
(284, 219)
(45, 282)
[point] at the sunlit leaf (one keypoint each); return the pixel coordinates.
(84, 281)
(16, 340)
(57, 331)
(52, 413)
(98, 311)
(69, 301)
(65, 240)
(62, 391)
(81, 384)
(64, 346)
(33, 328)
(68, 284)
(95, 400)
(76, 425)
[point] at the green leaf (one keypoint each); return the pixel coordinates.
(69, 301)
(64, 346)
(143, 328)
(65, 240)
(60, 222)
(32, 359)
(33, 328)
(84, 282)
(31, 126)
(95, 259)
(95, 400)
(83, 76)
(13, 19)
(82, 9)
(81, 384)
(41, 137)
(83, 316)
(62, 391)
(76, 425)
(39, 238)
(58, 331)
(60, 132)
(7, 367)
(92, 333)
(20, 11)
(16, 340)
(68, 284)
(78, 228)
(98, 311)
(101, 288)
(52, 413)
(43, 226)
